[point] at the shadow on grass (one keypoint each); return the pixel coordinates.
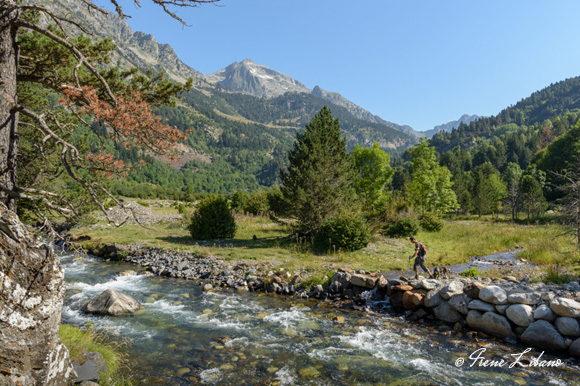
(281, 241)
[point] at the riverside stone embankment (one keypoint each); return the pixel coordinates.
(536, 314)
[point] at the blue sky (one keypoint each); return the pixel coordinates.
(415, 62)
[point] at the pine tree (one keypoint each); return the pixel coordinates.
(318, 181)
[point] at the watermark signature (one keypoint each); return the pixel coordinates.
(477, 359)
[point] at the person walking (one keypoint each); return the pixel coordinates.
(420, 255)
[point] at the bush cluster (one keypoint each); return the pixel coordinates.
(343, 232)
(213, 219)
(403, 227)
(431, 223)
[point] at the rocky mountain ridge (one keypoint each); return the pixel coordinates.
(134, 49)
(252, 78)
(449, 126)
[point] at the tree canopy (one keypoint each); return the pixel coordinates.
(318, 181)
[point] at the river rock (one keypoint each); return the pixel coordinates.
(500, 308)
(493, 294)
(567, 326)
(459, 303)
(401, 288)
(416, 284)
(453, 288)
(490, 322)
(531, 298)
(520, 314)
(544, 335)
(396, 299)
(362, 280)
(446, 313)
(342, 278)
(429, 284)
(574, 348)
(412, 299)
(88, 371)
(565, 307)
(479, 305)
(472, 289)
(432, 299)
(382, 283)
(543, 312)
(112, 302)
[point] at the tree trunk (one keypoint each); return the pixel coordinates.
(31, 278)
(31, 296)
(8, 100)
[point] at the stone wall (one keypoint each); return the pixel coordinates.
(31, 297)
(538, 315)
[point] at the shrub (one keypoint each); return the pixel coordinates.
(276, 202)
(403, 227)
(240, 200)
(345, 232)
(473, 272)
(257, 202)
(431, 223)
(213, 219)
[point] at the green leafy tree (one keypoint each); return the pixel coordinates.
(318, 181)
(533, 200)
(213, 219)
(431, 185)
(373, 171)
(511, 177)
(487, 189)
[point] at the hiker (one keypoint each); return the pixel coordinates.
(421, 253)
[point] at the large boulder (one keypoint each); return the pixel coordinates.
(480, 305)
(567, 326)
(472, 289)
(432, 299)
(342, 278)
(520, 314)
(446, 313)
(531, 298)
(33, 288)
(429, 284)
(493, 294)
(543, 334)
(565, 307)
(112, 302)
(413, 299)
(490, 322)
(543, 312)
(365, 281)
(459, 303)
(454, 287)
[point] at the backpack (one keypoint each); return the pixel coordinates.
(422, 250)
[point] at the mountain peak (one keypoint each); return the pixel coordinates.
(249, 77)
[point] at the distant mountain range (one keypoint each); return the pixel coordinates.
(449, 126)
(243, 119)
(256, 79)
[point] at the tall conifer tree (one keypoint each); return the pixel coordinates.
(318, 181)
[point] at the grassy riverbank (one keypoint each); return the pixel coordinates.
(79, 341)
(458, 240)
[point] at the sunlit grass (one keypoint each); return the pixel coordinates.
(76, 340)
(454, 244)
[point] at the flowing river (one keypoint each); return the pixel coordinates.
(185, 336)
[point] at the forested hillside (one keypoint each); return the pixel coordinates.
(508, 161)
(553, 101)
(241, 142)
